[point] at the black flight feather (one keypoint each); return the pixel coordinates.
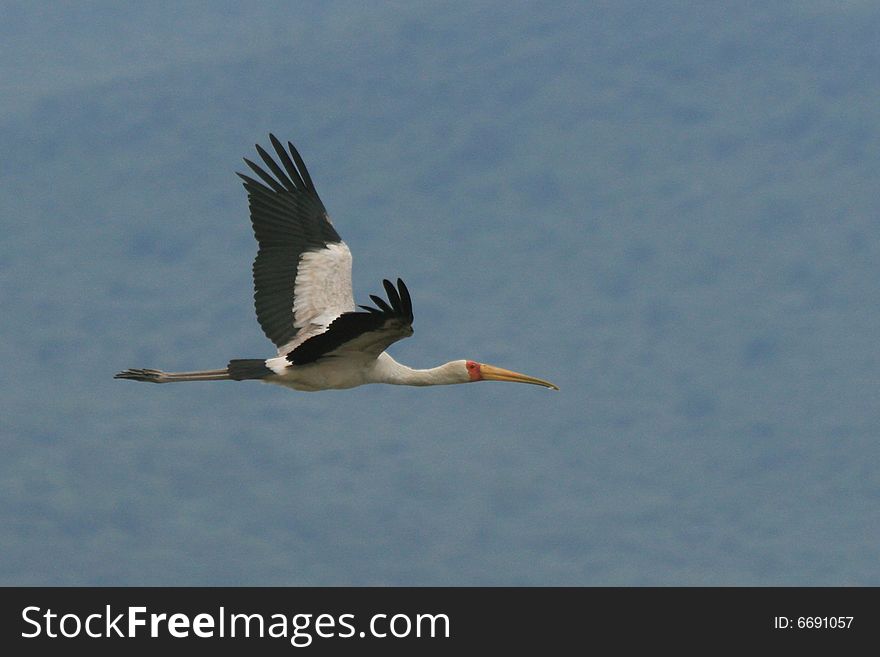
(285, 181)
(302, 167)
(292, 172)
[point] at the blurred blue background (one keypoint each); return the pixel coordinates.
(670, 210)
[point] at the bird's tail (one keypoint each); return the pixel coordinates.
(158, 376)
(237, 370)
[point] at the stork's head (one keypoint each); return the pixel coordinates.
(482, 372)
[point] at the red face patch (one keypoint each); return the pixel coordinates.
(473, 369)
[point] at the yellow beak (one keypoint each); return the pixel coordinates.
(492, 373)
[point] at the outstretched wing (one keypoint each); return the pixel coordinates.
(369, 332)
(302, 272)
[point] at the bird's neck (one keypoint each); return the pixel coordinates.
(390, 371)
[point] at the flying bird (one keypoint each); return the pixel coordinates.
(304, 302)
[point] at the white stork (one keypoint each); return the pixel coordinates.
(304, 302)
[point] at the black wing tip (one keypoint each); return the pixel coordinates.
(399, 302)
(381, 304)
(405, 299)
(295, 177)
(272, 140)
(264, 155)
(248, 181)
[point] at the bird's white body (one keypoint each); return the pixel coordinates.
(342, 373)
